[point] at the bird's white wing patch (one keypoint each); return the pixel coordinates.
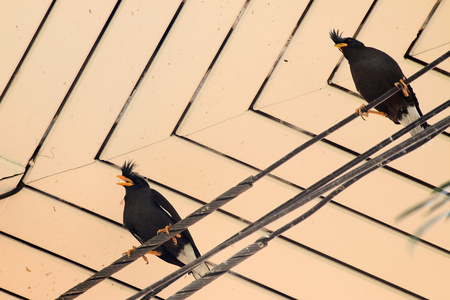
(160, 205)
(165, 211)
(138, 238)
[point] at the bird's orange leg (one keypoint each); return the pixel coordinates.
(157, 253)
(363, 112)
(401, 85)
(129, 251)
(166, 230)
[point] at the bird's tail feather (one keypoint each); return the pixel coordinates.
(188, 255)
(200, 270)
(409, 117)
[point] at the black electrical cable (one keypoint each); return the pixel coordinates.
(219, 202)
(370, 166)
(352, 163)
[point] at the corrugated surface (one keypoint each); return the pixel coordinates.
(199, 93)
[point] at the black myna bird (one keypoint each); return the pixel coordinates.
(147, 213)
(374, 73)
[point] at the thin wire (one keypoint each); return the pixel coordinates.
(383, 159)
(307, 195)
(217, 203)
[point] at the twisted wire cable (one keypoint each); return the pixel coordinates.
(250, 250)
(217, 203)
(340, 171)
(282, 210)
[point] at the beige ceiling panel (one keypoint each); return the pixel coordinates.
(377, 250)
(229, 287)
(372, 230)
(334, 105)
(47, 74)
(326, 105)
(174, 75)
(429, 163)
(311, 276)
(433, 43)
(360, 135)
(19, 21)
(104, 86)
(318, 111)
(76, 186)
(5, 296)
(310, 57)
(62, 229)
(265, 195)
(78, 236)
(207, 233)
(246, 60)
(118, 240)
(101, 195)
(10, 174)
(384, 196)
(8, 184)
(390, 27)
(42, 276)
(248, 138)
(66, 220)
(184, 166)
(431, 89)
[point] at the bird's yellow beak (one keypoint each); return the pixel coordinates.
(340, 45)
(128, 181)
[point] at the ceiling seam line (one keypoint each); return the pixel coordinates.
(63, 258)
(27, 50)
(280, 54)
(139, 80)
(345, 149)
(211, 65)
(94, 214)
(332, 201)
(246, 184)
(30, 163)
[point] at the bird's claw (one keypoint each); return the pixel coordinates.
(166, 230)
(153, 252)
(157, 253)
(145, 259)
(401, 85)
(363, 112)
(129, 251)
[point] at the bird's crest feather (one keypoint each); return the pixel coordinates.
(336, 36)
(127, 169)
